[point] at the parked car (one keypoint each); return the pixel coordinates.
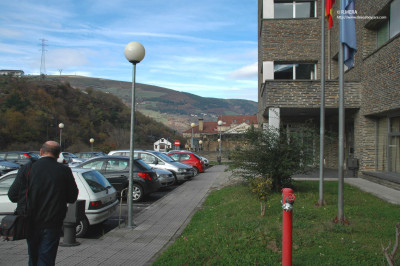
(189, 158)
(165, 177)
(116, 170)
(69, 158)
(204, 159)
(89, 155)
(100, 196)
(6, 166)
(36, 152)
(159, 160)
(119, 153)
(19, 157)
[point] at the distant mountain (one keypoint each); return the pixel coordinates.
(31, 110)
(172, 108)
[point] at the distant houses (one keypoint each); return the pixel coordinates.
(162, 145)
(205, 134)
(14, 73)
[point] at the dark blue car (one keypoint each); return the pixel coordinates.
(6, 166)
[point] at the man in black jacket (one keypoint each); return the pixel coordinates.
(51, 186)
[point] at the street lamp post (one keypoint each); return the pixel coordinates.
(134, 53)
(219, 142)
(61, 126)
(91, 142)
(200, 145)
(192, 143)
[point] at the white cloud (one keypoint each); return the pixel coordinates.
(246, 72)
(64, 58)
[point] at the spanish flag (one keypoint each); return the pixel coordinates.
(329, 12)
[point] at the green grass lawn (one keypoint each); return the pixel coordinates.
(228, 229)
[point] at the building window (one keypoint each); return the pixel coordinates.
(388, 147)
(382, 145)
(383, 34)
(294, 9)
(295, 71)
(394, 145)
(394, 18)
(389, 27)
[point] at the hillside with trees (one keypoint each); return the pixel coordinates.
(31, 110)
(173, 108)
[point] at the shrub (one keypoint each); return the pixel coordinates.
(274, 154)
(262, 187)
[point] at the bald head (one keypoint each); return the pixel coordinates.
(50, 148)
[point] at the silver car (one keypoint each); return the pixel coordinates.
(165, 177)
(94, 188)
(158, 160)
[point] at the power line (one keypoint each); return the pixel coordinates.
(43, 60)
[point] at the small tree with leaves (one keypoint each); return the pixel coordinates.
(276, 154)
(262, 187)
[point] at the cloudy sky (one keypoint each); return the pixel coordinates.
(207, 47)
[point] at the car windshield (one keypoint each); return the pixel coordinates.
(69, 155)
(96, 181)
(33, 155)
(95, 165)
(164, 157)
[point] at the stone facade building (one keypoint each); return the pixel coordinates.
(208, 132)
(289, 87)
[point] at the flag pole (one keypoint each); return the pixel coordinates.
(341, 135)
(340, 217)
(321, 201)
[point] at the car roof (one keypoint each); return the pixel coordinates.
(74, 170)
(89, 152)
(109, 157)
(17, 152)
(119, 151)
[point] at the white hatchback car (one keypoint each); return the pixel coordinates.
(69, 159)
(94, 188)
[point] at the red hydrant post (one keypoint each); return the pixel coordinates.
(287, 206)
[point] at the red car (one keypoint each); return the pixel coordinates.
(189, 158)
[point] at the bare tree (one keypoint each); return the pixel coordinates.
(390, 257)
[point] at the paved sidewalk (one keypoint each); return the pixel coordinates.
(157, 226)
(383, 192)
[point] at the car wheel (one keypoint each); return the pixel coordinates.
(176, 182)
(82, 228)
(195, 171)
(137, 193)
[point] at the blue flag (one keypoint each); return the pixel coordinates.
(348, 31)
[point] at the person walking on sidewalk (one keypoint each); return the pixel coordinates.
(51, 186)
